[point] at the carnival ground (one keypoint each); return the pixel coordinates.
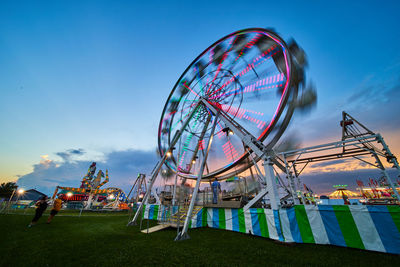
(103, 239)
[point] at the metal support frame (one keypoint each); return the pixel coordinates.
(389, 156)
(183, 234)
(270, 180)
(268, 156)
(139, 182)
(160, 163)
(351, 147)
(384, 172)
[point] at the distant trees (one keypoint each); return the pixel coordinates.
(6, 189)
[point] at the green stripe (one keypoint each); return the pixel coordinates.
(304, 224)
(348, 226)
(143, 209)
(262, 220)
(155, 213)
(204, 217)
(242, 225)
(190, 223)
(395, 213)
(221, 218)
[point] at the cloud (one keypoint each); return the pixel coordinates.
(70, 154)
(375, 105)
(123, 167)
(79, 151)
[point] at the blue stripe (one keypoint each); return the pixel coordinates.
(151, 211)
(235, 220)
(174, 209)
(386, 228)
(331, 224)
(254, 222)
(198, 218)
(215, 222)
(294, 227)
(163, 212)
(277, 221)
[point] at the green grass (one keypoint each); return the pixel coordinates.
(107, 241)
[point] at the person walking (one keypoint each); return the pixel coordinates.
(216, 188)
(56, 208)
(41, 206)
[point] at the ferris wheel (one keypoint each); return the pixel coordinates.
(253, 77)
(233, 102)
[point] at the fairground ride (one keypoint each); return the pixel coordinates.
(90, 195)
(228, 110)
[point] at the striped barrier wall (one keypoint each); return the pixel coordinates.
(374, 228)
(157, 212)
(261, 222)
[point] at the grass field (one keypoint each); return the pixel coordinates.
(105, 240)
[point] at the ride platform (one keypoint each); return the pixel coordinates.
(231, 204)
(155, 228)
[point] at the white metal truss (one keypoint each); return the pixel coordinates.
(356, 142)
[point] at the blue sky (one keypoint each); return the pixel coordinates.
(94, 75)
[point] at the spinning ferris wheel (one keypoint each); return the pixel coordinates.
(252, 77)
(229, 108)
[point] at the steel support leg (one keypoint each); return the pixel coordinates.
(183, 234)
(271, 184)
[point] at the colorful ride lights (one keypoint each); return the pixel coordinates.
(69, 194)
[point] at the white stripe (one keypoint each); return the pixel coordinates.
(247, 222)
(159, 215)
(271, 224)
(317, 225)
(146, 212)
(210, 212)
(228, 219)
(285, 226)
(366, 228)
(194, 221)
